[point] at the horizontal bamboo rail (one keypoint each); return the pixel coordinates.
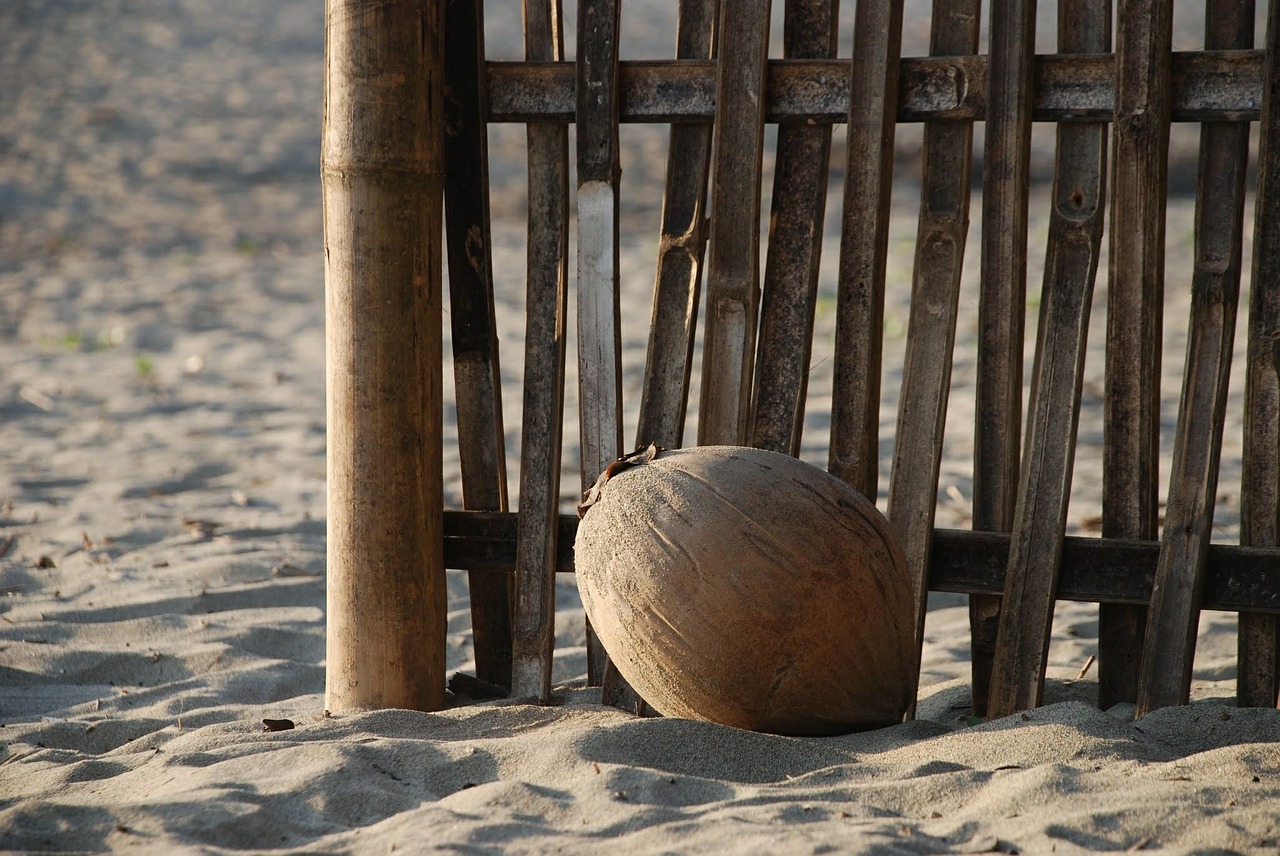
(1208, 86)
(1096, 570)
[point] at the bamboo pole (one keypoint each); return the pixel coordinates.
(864, 242)
(547, 290)
(383, 180)
(599, 307)
(1135, 295)
(1169, 647)
(1044, 483)
(931, 326)
(472, 316)
(733, 266)
(682, 243)
(1001, 302)
(1259, 682)
(789, 297)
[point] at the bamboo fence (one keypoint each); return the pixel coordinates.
(409, 97)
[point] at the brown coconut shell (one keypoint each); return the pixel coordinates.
(751, 589)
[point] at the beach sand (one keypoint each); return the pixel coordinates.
(162, 519)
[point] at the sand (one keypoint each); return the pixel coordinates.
(162, 505)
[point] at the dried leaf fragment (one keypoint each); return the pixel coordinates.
(642, 455)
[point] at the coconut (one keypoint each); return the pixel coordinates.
(748, 588)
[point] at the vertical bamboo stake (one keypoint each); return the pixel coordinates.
(864, 243)
(795, 247)
(733, 270)
(383, 180)
(533, 622)
(1131, 443)
(681, 243)
(931, 330)
(599, 315)
(1002, 305)
(1170, 644)
(1259, 681)
(1044, 487)
(477, 378)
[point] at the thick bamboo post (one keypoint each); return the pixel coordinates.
(383, 180)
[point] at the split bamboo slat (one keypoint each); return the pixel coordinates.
(864, 241)
(1044, 486)
(681, 244)
(477, 378)
(546, 305)
(1131, 453)
(383, 174)
(599, 313)
(1259, 641)
(789, 299)
(733, 275)
(1170, 643)
(931, 328)
(1001, 306)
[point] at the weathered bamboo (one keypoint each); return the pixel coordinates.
(1208, 86)
(383, 178)
(1097, 570)
(1044, 488)
(1104, 570)
(533, 634)
(931, 329)
(1169, 647)
(681, 244)
(733, 269)
(477, 378)
(1130, 474)
(1259, 647)
(800, 180)
(1144, 87)
(864, 239)
(1002, 300)
(599, 314)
